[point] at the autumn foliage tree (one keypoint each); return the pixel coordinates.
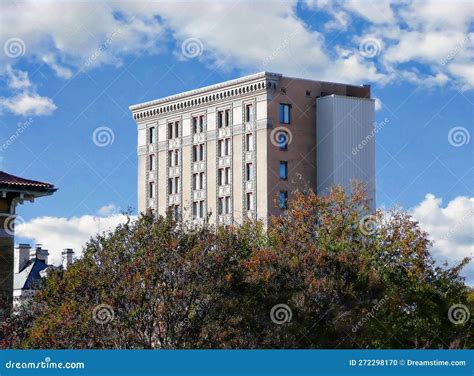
(325, 274)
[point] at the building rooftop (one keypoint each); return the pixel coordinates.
(29, 277)
(205, 89)
(16, 182)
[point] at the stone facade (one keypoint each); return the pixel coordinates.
(218, 150)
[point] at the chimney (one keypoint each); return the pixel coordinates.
(41, 254)
(22, 256)
(67, 255)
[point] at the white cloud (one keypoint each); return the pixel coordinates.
(16, 79)
(107, 210)
(57, 233)
(450, 227)
(378, 104)
(252, 36)
(25, 100)
(378, 12)
(27, 103)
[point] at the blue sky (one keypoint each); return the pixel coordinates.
(70, 75)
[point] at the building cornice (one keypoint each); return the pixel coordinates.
(221, 91)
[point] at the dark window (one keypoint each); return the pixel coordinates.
(283, 200)
(248, 112)
(308, 93)
(283, 140)
(283, 170)
(285, 113)
(220, 119)
(152, 135)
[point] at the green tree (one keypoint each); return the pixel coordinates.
(325, 274)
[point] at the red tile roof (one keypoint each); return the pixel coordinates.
(15, 181)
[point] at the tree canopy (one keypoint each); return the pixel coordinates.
(327, 273)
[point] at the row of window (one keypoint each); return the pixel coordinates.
(223, 202)
(198, 152)
(224, 205)
(223, 176)
(223, 120)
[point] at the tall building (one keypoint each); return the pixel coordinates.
(240, 148)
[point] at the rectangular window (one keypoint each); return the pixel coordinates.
(249, 200)
(249, 172)
(152, 139)
(176, 157)
(170, 186)
(227, 118)
(152, 159)
(285, 113)
(170, 158)
(220, 176)
(201, 152)
(220, 207)
(201, 209)
(151, 188)
(176, 185)
(283, 138)
(195, 209)
(176, 129)
(175, 211)
(283, 170)
(201, 123)
(283, 200)
(248, 112)
(201, 180)
(195, 178)
(170, 131)
(220, 148)
(195, 125)
(227, 146)
(249, 142)
(227, 175)
(227, 205)
(220, 119)
(195, 153)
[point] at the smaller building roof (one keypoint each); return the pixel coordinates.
(28, 278)
(8, 180)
